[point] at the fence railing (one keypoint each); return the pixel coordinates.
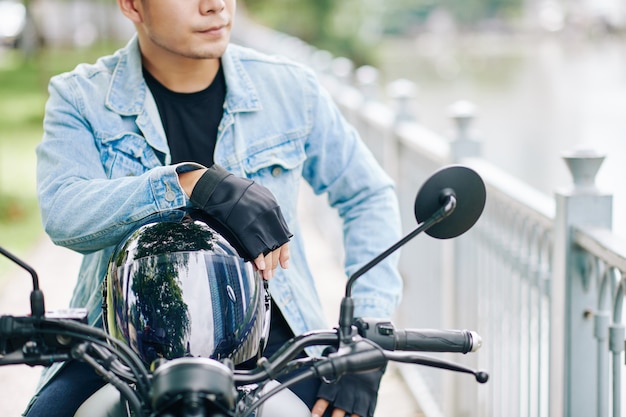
(541, 278)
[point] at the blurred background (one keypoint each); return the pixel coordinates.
(545, 76)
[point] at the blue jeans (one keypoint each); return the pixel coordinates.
(76, 382)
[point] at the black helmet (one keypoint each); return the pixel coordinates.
(178, 289)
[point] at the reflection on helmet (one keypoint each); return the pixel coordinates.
(180, 289)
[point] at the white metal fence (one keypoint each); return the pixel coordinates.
(540, 278)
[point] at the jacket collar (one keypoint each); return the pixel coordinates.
(128, 91)
(241, 93)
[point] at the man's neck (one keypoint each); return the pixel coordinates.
(185, 75)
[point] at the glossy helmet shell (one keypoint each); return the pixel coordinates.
(177, 289)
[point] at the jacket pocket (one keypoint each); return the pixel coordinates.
(127, 154)
(281, 159)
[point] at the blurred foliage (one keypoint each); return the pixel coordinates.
(354, 28)
(327, 24)
(474, 12)
(21, 113)
(23, 83)
(405, 16)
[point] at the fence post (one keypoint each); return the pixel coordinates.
(464, 145)
(367, 79)
(464, 308)
(573, 373)
(402, 93)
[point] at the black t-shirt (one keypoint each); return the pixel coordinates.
(190, 120)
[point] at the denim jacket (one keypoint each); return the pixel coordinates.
(103, 168)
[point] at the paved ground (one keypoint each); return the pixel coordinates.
(57, 268)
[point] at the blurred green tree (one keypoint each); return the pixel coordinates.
(352, 28)
(327, 24)
(473, 12)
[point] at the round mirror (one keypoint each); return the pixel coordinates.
(469, 191)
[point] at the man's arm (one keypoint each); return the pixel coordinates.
(340, 165)
(94, 187)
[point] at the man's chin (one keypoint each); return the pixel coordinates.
(212, 52)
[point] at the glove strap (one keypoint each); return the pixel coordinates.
(207, 184)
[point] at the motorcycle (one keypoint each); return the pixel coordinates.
(447, 205)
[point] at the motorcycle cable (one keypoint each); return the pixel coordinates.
(309, 373)
(268, 368)
(103, 339)
(79, 352)
(95, 336)
(113, 363)
(360, 356)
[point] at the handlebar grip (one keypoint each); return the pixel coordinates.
(434, 340)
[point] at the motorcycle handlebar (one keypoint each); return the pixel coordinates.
(370, 347)
(434, 340)
(388, 337)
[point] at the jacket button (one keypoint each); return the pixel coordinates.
(170, 195)
(276, 171)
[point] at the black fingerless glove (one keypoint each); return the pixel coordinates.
(245, 212)
(354, 393)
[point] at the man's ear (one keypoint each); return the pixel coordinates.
(132, 9)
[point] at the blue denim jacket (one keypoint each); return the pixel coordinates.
(103, 168)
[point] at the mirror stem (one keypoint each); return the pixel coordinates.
(346, 312)
(448, 206)
(37, 305)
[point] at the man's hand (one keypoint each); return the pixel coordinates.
(354, 394)
(266, 264)
(245, 212)
(320, 407)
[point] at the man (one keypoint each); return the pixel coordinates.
(161, 125)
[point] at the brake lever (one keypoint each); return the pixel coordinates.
(417, 359)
